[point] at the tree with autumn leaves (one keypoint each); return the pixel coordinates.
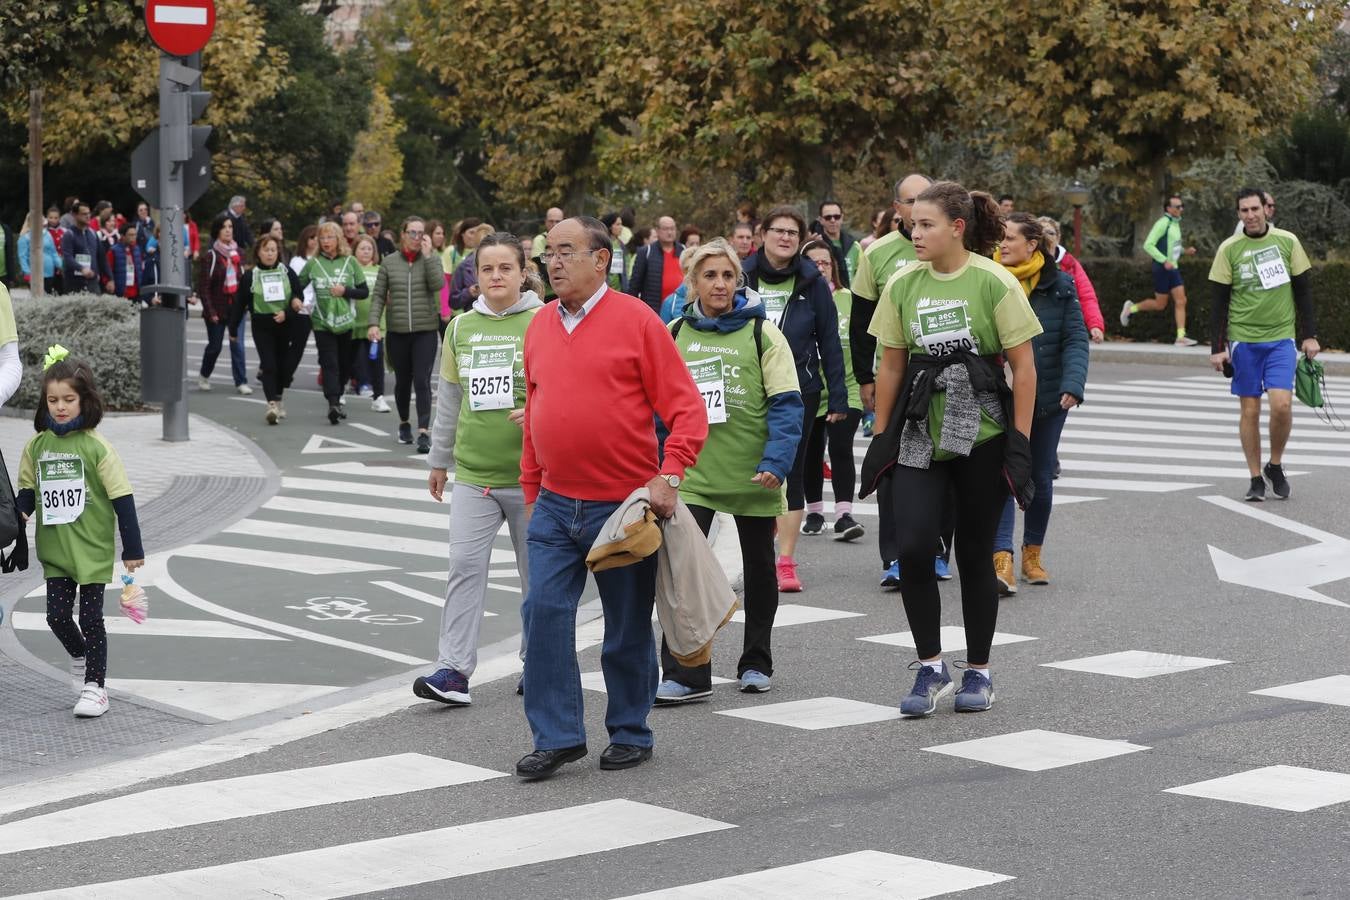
(583, 98)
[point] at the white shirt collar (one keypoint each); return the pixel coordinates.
(571, 320)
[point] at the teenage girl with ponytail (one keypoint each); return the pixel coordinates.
(946, 324)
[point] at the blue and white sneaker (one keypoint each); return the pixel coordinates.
(669, 693)
(890, 576)
(754, 682)
(929, 687)
(943, 571)
(976, 694)
(444, 686)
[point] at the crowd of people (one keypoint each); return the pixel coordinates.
(727, 375)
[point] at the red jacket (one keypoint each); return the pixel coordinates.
(589, 400)
(1087, 295)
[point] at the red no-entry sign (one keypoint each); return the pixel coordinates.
(180, 27)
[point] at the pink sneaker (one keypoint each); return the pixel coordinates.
(788, 582)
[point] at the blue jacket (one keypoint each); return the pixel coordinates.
(644, 282)
(673, 306)
(1061, 350)
(49, 254)
(784, 417)
(811, 326)
(84, 241)
(119, 267)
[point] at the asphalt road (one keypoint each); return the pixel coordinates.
(1087, 781)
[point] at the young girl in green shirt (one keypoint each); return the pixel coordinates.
(72, 478)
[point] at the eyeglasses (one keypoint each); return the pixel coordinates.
(784, 232)
(832, 218)
(414, 234)
(372, 224)
(565, 256)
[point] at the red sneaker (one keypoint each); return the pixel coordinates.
(788, 582)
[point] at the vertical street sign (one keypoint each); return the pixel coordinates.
(171, 169)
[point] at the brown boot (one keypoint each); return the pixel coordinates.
(1032, 570)
(1003, 571)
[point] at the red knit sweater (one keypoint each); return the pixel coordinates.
(589, 400)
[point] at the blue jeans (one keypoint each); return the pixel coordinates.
(1045, 432)
(560, 534)
(215, 336)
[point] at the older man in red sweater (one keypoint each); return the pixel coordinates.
(598, 365)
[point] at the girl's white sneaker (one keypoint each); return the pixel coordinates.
(93, 702)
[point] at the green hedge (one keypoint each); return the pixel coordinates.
(104, 331)
(1118, 280)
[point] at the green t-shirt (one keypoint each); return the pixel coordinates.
(485, 356)
(335, 314)
(843, 301)
(359, 327)
(980, 307)
(75, 477)
(1259, 270)
(271, 290)
(736, 386)
(775, 296)
(884, 257)
(618, 267)
(9, 332)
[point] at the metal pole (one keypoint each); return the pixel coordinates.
(173, 125)
(1078, 231)
(37, 220)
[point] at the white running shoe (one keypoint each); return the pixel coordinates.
(1185, 341)
(272, 414)
(342, 401)
(1125, 313)
(203, 384)
(379, 404)
(93, 702)
(244, 390)
(77, 673)
(366, 391)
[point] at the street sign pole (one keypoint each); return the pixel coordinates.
(173, 129)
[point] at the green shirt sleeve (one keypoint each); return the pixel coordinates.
(111, 471)
(886, 326)
(851, 261)
(778, 367)
(27, 468)
(863, 282)
(1298, 264)
(1151, 242)
(1015, 319)
(1221, 270)
(9, 332)
(449, 356)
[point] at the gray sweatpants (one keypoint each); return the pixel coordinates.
(476, 514)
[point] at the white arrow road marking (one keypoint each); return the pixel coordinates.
(1294, 572)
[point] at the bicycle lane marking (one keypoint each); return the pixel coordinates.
(168, 585)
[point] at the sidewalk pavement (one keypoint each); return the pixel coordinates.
(1197, 357)
(184, 492)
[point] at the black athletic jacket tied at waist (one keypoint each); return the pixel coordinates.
(986, 375)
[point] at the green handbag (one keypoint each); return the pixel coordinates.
(1310, 384)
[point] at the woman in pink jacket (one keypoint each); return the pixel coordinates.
(1087, 296)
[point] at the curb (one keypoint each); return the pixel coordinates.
(1197, 357)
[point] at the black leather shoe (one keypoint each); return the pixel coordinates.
(624, 756)
(544, 763)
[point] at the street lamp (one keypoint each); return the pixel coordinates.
(1078, 195)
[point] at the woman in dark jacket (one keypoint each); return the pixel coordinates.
(1061, 352)
(798, 301)
(218, 276)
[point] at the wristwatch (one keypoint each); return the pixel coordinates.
(672, 480)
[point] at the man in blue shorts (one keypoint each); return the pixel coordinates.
(1261, 281)
(1164, 247)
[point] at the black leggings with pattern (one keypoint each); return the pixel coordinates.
(89, 640)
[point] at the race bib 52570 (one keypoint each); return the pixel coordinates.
(946, 329)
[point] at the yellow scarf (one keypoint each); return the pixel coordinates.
(1028, 272)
